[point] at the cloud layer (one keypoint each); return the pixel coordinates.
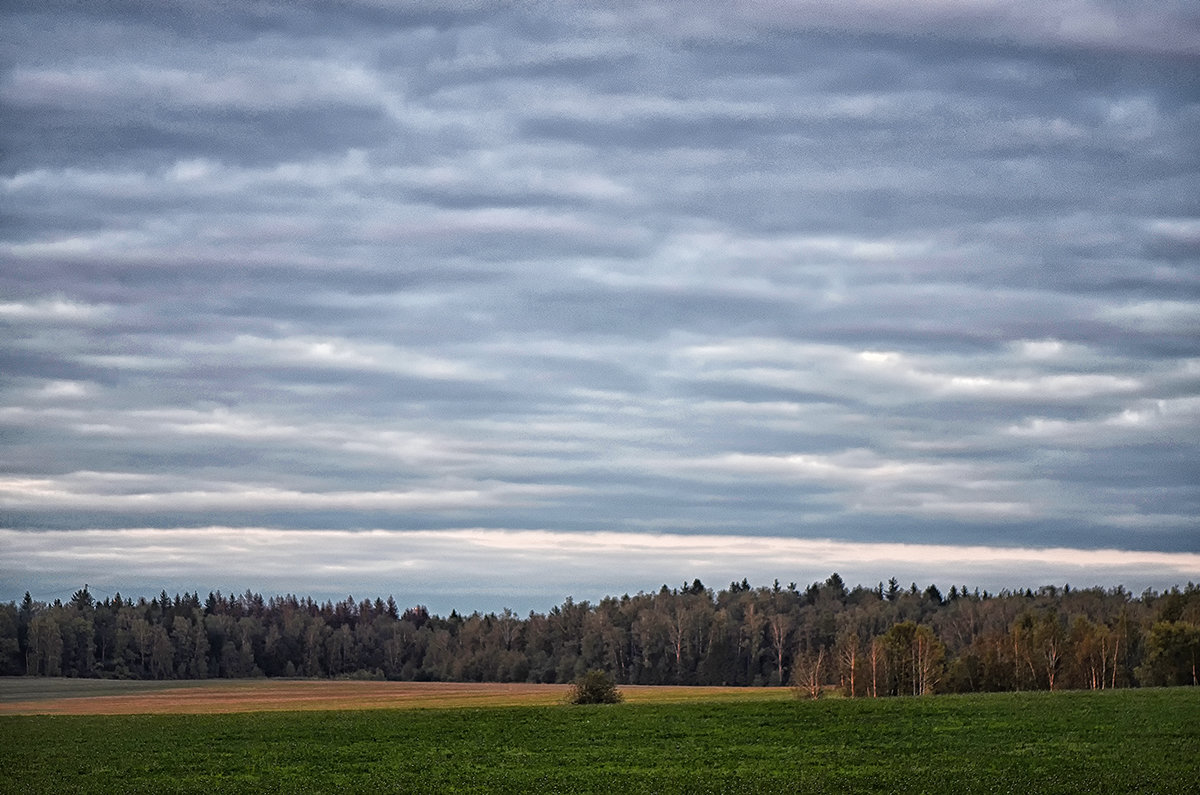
(531, 569)
(887, 275)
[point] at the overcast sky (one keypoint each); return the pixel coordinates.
(493, 305)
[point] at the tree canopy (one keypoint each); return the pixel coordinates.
(871, 641)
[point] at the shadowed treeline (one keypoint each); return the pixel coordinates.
(866, 641)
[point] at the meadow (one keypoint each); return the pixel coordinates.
(669, 740)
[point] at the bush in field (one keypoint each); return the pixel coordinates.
(594, 687)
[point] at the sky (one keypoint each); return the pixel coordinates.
(485, 305)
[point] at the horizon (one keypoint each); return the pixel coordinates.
(487, 603)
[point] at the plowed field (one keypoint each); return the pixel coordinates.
(96, 697)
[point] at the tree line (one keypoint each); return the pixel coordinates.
(868, 642)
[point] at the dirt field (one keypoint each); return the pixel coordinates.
(95, 697)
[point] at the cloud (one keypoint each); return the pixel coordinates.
(1161, 27)
(138, 493)
(921, 274)
(56, 310)
(530, 569)
(1171, 317)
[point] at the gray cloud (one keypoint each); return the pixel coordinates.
(925, 274)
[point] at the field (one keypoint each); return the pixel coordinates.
(318, 737)
(37, 696)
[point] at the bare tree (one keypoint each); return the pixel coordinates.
(878, 658)
(779, 627)
(847, 649)
(808, 673)
(753, 623)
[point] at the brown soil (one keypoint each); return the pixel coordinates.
(260, 696)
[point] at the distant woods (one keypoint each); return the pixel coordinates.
(867, 642)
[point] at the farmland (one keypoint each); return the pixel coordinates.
(495, 739)
(29, 695)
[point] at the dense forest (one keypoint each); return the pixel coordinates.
(886, 640)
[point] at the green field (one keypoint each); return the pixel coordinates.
(1112, 741)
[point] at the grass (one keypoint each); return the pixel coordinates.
(1114, 741)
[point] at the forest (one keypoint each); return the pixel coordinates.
(866, 642)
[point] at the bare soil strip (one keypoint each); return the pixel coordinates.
(279, 695)
(261, 696)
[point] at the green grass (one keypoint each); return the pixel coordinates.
(1115, 741)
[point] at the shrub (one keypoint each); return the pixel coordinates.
(594, 687)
